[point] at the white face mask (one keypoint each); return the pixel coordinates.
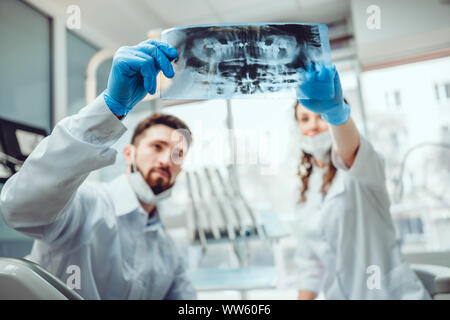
(140, 187)
(318, 145)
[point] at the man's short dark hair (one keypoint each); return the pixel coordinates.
(164, 119)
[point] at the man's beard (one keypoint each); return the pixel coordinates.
(159, 184)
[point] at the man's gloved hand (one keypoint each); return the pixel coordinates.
(133, 74)
(323, 88)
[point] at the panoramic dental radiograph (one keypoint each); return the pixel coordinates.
(225, 61)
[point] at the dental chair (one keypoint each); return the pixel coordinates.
(21, 279)
(436, 279)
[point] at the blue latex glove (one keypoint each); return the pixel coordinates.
(133, 74)
(321, 84)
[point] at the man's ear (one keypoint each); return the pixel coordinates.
(127, 154)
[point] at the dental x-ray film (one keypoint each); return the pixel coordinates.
(245, 60)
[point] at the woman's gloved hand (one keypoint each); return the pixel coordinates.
(321, 84)
(133, 74)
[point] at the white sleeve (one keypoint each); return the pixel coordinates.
(368, 167)
(42, 193)
(310, 271)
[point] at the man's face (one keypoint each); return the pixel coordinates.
(159, 154)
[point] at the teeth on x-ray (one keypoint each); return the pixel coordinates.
(224, 61)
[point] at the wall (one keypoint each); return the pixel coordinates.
(408, 27)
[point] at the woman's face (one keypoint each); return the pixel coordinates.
(309, 123)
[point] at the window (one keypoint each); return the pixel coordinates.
(442, 91)
(79, 53)
(415, 131)
(25, 77)
(25, 86)
(410, 227)
(436, 92)
(397, 98)
(393, 99)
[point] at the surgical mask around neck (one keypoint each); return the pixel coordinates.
(318, 146)
(140, 187)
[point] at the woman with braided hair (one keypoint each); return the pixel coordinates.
(347, 247)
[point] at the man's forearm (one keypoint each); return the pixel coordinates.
(60, 163)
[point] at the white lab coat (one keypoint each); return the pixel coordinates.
(97, 229)
(347, 247)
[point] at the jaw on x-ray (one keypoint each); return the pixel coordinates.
(240, 61)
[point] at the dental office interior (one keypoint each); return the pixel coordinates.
(393, 59)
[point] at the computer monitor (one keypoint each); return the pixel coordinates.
(17, 141)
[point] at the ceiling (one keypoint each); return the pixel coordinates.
(127, 22)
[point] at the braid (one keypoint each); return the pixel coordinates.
(304, 172)
(328, 176)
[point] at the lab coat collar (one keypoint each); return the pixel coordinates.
(123, 196)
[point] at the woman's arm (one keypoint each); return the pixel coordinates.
(322, 87)
(345, 141)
